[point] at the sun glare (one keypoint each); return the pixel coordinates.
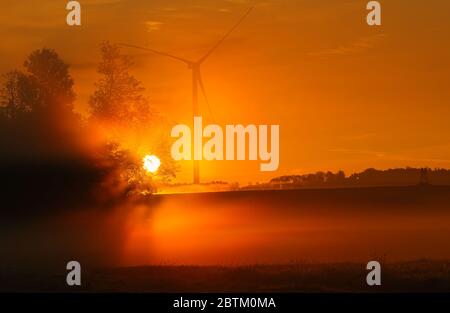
(151, 163)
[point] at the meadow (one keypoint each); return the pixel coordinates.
(279, 240)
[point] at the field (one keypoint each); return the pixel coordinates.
(284, 241)
(417, 276)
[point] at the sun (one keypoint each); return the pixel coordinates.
(151, 163)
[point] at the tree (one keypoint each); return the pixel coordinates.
(47, 86)
(126, 117)
(37, 107)
(51, 74)
(18, 94)
(119, 95)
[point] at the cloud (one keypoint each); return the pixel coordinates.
(238, 1)
(391, 157)
(101, 2)
(355, 47)
(378, 154)
(153, 25)
(358, 137)
(413, 159)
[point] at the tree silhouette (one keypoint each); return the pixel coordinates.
(18, 94)
(119, 95)
(126, 116)
(51, 75)
(37, 109)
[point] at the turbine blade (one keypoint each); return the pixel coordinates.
(158, 52)
(202, 88)
(225, 36)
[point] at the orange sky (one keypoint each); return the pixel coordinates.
(346, 96)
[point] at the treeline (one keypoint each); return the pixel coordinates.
(369, 177)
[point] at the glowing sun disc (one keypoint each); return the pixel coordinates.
(151, 163)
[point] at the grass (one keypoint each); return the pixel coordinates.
(416, 276)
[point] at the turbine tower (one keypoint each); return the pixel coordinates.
(197, 80)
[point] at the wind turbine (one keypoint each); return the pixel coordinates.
(196, 76)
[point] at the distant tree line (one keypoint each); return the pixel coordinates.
(369, 177)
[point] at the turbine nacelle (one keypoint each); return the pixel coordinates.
(193, 66)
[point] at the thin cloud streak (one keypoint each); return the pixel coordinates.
(358, 46)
